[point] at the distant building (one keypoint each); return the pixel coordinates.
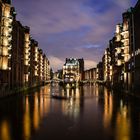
(91, 74)
(34, 63)
(107, 66)
(73, 70)
(99, 71)
(81, 68)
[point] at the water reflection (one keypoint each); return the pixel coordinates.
(108, 107)
(5, 130)
(72, 107)
(123, 123)
(27, 120)
(92, 110)
(36, 112)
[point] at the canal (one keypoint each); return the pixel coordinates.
(91, 112)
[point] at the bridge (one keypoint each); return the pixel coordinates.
(57, 80)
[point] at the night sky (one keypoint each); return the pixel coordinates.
(72, 28)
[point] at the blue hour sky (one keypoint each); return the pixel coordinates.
(72, 28)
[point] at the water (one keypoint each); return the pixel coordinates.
(91, 112)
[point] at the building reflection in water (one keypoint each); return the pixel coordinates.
(71, 107)
(123, 123)
(90, 103)
(41, 105)
(46, 101)
(5, 130)
(27, 120)
(108, 107)
(116, 116)
(36, 117)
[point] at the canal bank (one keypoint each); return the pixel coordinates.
(6, 92)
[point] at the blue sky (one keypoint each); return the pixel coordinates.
(72, 28)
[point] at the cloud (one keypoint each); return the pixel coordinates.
(71, 28)
(56, 63)
(90, 64)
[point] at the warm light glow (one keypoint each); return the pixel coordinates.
(26, 62)
(5, 41)
(118, 38)
(36, 118)
(123, 124)
(27, 121)
(27, 49)
(118, 29)
(6, 22)
(6, 11)
(6, 38)
(126, 50)
(26, 57)
(126, 35)
(36, 74)
(26, 46)
(119, 62)
(108, 108)
(5, 130)
(118, 50)
(26, 77)
(125, 26)
(126, 42)
(4, 63)
(126, 57)
(27, 36)
(5, 51)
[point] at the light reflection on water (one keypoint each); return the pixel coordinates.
(92, 111)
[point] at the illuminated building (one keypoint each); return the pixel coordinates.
(40, 67)
(99, 71)
(26, 54)
(34, 63)
(43, 67)
(17, 64)
(127, 40)
(72, 72)
(22, 63)
(46, 69)
(107, 67)
(117, 57)
(5, 41)
(20, 55)
(91, 74)
(123, 45)
(81, 68)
